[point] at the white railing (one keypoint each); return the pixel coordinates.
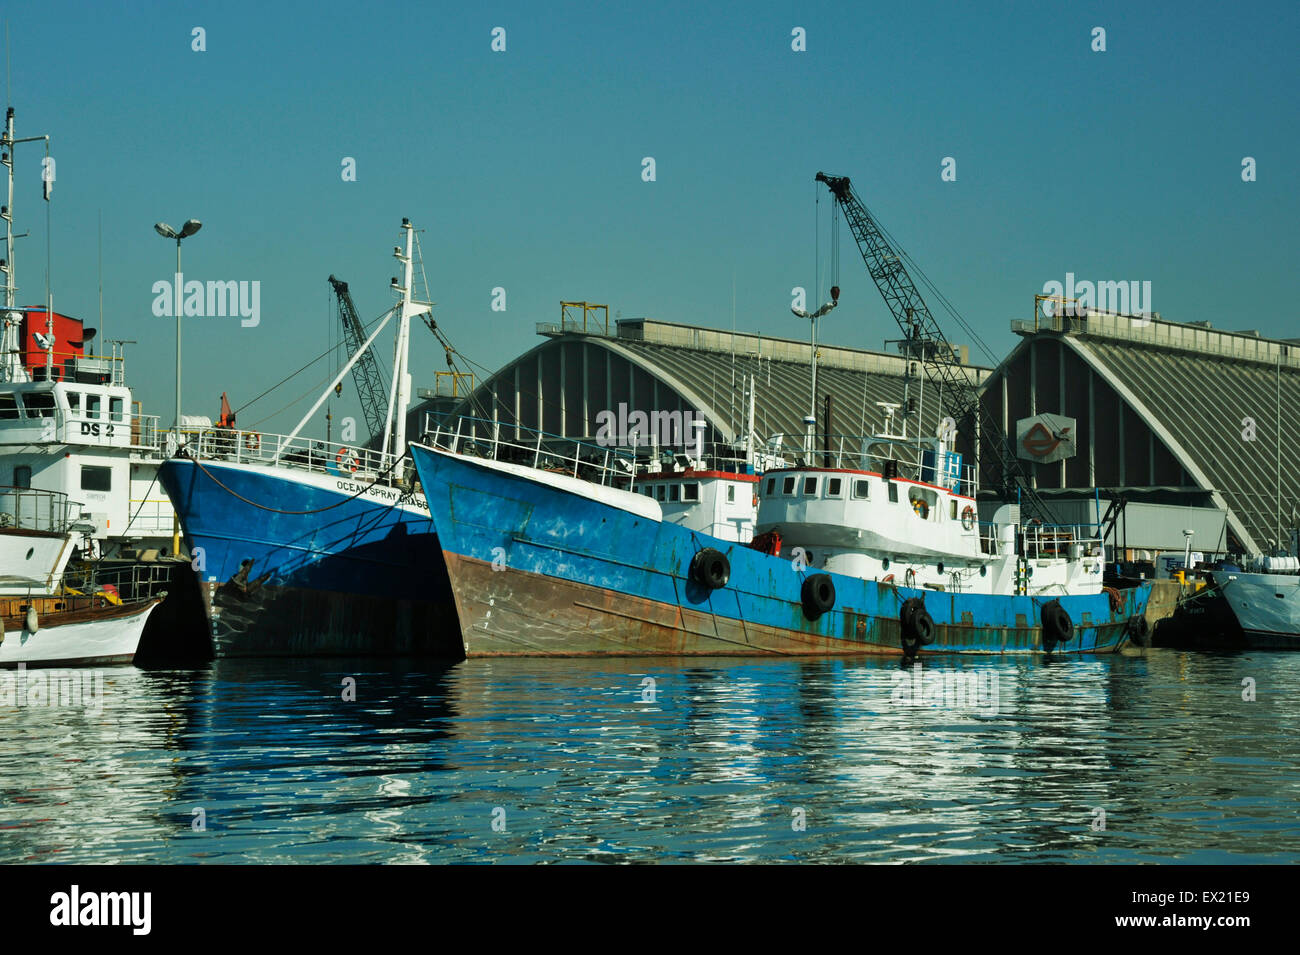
(479, 437)
(33, 509)
(864, 453)
(307, 454)
(1061, 540)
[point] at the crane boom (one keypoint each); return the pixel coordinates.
(371, 389)
(999, 469)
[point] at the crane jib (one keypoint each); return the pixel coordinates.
(926, 341)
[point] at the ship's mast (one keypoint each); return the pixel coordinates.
(395, 438)
(11, 364)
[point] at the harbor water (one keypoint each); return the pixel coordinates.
(1162, 757)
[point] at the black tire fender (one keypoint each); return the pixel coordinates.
(711, 568)
(917, 626)
(1057, 625)
(1139, 631)
(817, 594)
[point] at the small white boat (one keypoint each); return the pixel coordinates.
(45, 621)
(72, 631)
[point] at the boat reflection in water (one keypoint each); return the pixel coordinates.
(1115, 758)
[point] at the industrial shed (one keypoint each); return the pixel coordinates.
(581, 369)
(1168, 414)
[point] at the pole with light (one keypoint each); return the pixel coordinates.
(167, 232)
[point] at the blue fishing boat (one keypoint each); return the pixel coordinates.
(871, 553)
(312, 547)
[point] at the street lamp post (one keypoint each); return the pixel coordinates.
(167, 232)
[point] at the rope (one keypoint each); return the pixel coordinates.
(275, 510)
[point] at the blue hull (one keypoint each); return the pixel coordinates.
(353, 576)
(538, 569)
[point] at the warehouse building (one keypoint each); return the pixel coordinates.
(1192, 428)
(583, 368)
(1196, 428)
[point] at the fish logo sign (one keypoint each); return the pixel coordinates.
(1045, 438)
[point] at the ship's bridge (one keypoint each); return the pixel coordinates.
(73, 413)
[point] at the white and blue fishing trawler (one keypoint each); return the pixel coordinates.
(314, 547)
(877, 551)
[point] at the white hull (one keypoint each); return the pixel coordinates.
(32, 562)
(110, 635)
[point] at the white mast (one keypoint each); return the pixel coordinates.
(11, 363)
(395, 433)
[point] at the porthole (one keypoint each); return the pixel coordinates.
(884, 564)
(30, 551)
(941, 567)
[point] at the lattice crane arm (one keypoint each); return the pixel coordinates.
(371, 389)
(994, 453)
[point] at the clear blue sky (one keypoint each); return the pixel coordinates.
(525, 166)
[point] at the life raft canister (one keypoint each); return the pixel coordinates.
(917, 624)
(817, 595)
(711, 568)
(1057, 625)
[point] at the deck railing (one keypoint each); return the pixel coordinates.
(37, 510)
(890, 456)
(308, 454)
(483, 438)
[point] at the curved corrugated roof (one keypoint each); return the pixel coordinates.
(1223, 403)
(711, 380)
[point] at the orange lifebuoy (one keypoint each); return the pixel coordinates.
(887, 579)
(252, 440)
(346, 455)
(967, 518)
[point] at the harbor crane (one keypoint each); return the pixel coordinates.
(371, 389)
(999, 468)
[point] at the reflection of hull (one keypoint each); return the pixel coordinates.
(540, 569)
(87, 635)
(356, 574)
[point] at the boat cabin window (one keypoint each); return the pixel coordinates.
(8, 407)
(92, 406)
(22, 476)
(691, 492)
(96, 478)
(74, 402)
(115, 409)
(731, 493)
(39, 404)
(952, 509)
(810, 487)
(861, 489)
(893, 493)
(787, 486)
(659, 492)
(771, 486)
(673, 492)
(834, 487)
